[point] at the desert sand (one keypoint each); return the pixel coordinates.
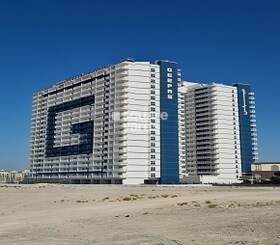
(161, 215)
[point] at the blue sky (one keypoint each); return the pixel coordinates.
(43, 42)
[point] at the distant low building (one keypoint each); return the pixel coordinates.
(11, 176)
(265, 170)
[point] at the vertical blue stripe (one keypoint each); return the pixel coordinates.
(245, 127)
(169, 128)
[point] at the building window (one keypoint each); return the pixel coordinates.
(153, 138)
(153, 156)
(153, 150)
(153, 162)
(153, 109)
(153, 169)
(169, 69)
(153, 69)
(153, 97)
(153, 175)
(153, 86)
(153, 75)
(153, 103)
(153, 80)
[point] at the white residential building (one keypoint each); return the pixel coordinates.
(209, 138)
(104, 126)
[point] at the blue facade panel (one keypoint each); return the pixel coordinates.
(169, 128)
(245, 127)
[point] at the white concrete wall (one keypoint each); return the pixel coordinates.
(228, 129)
(138, 126)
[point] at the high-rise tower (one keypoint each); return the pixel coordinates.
(217, 141)
(105, 126)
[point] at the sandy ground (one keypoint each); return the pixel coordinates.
(87, 214)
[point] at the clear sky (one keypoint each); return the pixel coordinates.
(43, 42)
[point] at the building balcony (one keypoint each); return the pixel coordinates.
(120, 170)
(201, 172)
(123, 83)
(120, 163)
